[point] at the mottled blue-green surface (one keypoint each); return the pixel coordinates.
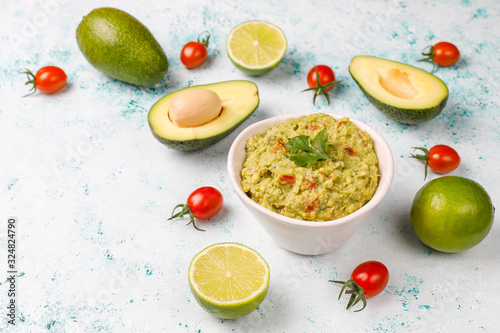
(93, 189)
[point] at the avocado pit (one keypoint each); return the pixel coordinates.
(194, 107)
(239, 99)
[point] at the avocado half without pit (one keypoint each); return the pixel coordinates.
(199, 116)
(404, 93)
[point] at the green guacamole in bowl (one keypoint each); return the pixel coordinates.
(327, 190)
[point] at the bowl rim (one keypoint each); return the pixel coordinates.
(380, 145)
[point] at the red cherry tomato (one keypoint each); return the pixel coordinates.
(321, 79)
(372, 276)
(325, 74)
(48, 80)
(443, 159)
(442, 54)
(440, 158)
(445, 54)
(194, 54)
(203, 203)
(367, 280)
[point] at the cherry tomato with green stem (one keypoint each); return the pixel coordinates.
(321, 80)
(48, 79)
(202, 203)
(440, 158)
(194, 54)
(367, 280)
(443, 54)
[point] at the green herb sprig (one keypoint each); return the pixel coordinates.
(306, 155)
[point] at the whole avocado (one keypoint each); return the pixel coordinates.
(121, 47)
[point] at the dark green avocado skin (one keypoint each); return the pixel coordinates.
(404, 116)
(196, 144)
(121, 47)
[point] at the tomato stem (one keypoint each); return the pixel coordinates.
(357, 293)
(31, 80)
(423, 158)
(185, 210)
(202, 40)
(429, 57)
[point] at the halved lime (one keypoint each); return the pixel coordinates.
(229, 280)
(256, 47)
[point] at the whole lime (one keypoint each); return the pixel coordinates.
(452, 214)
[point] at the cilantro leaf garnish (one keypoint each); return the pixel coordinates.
(306, 155)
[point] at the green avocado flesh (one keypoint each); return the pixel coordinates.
(404, 93)
(239, 101)
(121, 47)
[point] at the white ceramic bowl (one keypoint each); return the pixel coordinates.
(306, 237)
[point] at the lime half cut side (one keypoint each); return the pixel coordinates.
(229, 280)
(256, 47)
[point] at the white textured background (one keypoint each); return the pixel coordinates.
(93, 189)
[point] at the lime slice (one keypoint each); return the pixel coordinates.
(256, 47)
(229, 280)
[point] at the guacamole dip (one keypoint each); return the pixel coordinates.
(328, 189)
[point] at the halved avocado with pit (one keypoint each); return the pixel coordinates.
(239, 100)
(405, 93)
